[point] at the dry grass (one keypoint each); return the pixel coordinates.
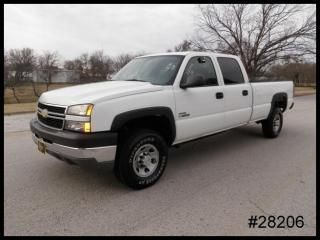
(25, 92)
(301, 91)
(19, 108)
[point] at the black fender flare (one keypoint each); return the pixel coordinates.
(121, 119)
(277, 98)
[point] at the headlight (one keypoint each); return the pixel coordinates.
(78, 126)
(78, 118)
(81, 110)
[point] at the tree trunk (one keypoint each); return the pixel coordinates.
(47, 81)
(34, 89)
(14, 94)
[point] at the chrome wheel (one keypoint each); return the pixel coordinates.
(276, 123)
(145, 160)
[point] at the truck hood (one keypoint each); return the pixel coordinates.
(96, 92)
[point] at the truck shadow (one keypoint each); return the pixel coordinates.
(214, 148)
(230, 147)
(180, 159)
(251, 131)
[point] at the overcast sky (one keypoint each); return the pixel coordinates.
(76, 29)
(73, 29)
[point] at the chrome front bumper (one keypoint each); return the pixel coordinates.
(100, 154)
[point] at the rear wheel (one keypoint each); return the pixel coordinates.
(142, 159)
(272, 126)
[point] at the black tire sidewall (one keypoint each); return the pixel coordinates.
(276, 112)
(267, 125)
(126, 161)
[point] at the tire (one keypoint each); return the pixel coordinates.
(271, 127)
(142, 159)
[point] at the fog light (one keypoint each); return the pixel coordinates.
(78, 126)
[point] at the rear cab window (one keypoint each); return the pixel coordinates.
(231, 71)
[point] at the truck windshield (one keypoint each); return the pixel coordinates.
(158, 70)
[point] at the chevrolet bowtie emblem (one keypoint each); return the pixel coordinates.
(44, 113)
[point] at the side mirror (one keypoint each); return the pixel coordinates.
(192, 81)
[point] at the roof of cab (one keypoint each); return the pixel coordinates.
(187, 53)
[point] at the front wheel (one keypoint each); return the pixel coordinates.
(271, 127)
(142, 159)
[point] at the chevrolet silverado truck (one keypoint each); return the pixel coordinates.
(154, 102)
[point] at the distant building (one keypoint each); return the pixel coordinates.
(57, 76)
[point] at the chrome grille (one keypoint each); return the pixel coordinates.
(51, 115)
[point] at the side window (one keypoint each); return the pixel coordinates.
(200, 72)
(231, 71)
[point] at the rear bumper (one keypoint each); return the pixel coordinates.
(73, 146)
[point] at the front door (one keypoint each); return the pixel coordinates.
(200, 107)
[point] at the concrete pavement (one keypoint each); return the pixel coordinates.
(210, 187)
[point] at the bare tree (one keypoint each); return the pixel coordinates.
(21, 62)
(121, 60)
(260, 35)
(69, 65)
(100, 66)
(48, 62)
(80, 64)
(6, 69)
(302, 73)
(185, 45)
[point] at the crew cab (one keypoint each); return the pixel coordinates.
(155, 102)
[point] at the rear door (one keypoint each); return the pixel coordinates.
(237, 92)
(199, 109)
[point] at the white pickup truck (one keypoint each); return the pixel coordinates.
(152, 103)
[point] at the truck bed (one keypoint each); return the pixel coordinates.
(263, 91)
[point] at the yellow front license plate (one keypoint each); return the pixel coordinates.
(41, 147)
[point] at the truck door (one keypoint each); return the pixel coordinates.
(200, 107)
(237, 91)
